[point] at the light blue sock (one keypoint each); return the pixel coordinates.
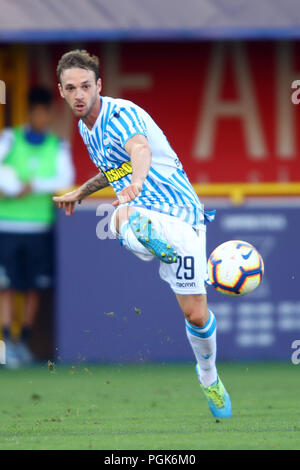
(203, 342)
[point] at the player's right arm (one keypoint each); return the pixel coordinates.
(68, 201)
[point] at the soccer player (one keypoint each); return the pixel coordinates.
(157, 210)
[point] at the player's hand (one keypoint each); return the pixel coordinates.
(128, 194)
(68, 201)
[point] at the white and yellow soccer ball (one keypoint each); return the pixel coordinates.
(235, 268)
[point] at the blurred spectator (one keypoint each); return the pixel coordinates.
(34, 164)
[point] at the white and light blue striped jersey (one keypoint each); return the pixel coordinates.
(166, 188)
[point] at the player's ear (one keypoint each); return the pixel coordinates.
(99, 85)
(60, 90)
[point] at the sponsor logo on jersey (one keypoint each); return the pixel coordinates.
(116, 174)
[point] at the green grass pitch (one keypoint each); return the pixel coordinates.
(154, 407)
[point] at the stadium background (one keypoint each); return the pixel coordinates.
(222, 95)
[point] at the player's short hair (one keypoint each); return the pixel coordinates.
(79, 59)
(40, 95)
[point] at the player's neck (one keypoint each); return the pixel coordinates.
(90, 120)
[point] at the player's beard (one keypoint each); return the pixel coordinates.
(83, 112)
(86, 110)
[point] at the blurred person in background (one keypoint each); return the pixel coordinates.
(34, 165)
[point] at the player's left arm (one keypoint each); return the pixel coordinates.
(140, 156)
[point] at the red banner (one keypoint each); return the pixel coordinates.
(225, 108)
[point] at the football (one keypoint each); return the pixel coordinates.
(235, 268)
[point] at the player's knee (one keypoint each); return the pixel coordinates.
(196, 317)
(122, 214)
(195, 311)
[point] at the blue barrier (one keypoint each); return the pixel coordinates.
(111, 306)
